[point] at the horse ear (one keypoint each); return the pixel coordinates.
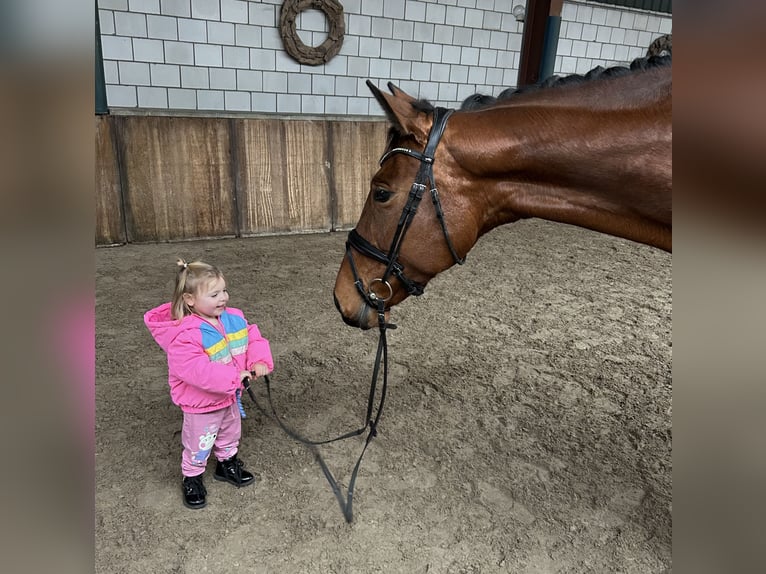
(399, 93)
(400, 111)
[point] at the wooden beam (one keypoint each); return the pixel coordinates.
(533, 41)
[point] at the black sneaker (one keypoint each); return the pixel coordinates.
(231, 471)
(194, 492)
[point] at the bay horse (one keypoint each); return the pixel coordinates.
(593, 151)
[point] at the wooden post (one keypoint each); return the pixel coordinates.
(533, 40)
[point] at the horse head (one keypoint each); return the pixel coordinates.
(399, 244)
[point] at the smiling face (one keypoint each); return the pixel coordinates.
(209, 300)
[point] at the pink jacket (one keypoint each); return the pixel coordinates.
(204, 361)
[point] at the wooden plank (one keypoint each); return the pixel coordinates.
(193, 177)
(282, 176)
(307, 168)
(180, 184)
(355, 150)
(110, 228)
(259, 174)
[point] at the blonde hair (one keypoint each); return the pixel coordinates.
(189, 279)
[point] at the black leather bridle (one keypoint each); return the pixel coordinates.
(356, 242)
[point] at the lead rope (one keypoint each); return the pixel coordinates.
(346, 504)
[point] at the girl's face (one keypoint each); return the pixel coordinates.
(210, 299)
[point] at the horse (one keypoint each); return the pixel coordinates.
(593, 151)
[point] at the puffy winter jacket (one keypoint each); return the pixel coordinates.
(204, 360)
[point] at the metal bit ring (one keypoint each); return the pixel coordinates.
(376, 297)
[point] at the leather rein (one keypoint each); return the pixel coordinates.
(374, 300)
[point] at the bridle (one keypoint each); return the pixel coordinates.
(391, 259)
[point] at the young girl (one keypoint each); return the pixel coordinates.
(211, 348)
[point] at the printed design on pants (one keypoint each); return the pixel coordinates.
(206, 442)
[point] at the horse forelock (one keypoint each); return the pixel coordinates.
(423, 105)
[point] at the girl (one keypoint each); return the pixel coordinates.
(211, 348)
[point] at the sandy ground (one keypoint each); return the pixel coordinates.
(527, 427)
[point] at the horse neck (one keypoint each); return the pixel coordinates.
(604, 168)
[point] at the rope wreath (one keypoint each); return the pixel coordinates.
(312, 56)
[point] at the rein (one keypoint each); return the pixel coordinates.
(393, 267)
(371, 423)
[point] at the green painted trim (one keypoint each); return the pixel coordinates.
(101, 104)
(665, 6)
(550, 45)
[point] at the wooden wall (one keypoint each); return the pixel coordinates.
(166, 178)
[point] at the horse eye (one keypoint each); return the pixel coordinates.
(382, 195)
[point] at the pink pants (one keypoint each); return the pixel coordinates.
(217, 432)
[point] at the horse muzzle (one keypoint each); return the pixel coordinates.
(364, 317)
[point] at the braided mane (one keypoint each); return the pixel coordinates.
(479, 101)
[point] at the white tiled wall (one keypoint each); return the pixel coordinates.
(227, 55)
(595, 34)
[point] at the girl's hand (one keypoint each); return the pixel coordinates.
(260, 369)
(244, 375)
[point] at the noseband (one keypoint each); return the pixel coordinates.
(390, 260)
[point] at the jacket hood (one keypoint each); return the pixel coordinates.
(164, 328)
